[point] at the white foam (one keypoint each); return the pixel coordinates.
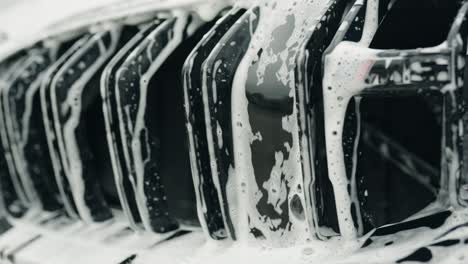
(50, 130)
(242, 185)
(23, 196)
(273, 14)
(346, 68)
(18, 127)
(66, 135)
(111, 138)
(135, 160)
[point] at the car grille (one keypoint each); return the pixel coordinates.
(137, 139)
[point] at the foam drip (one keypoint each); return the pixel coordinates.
(217, 75)
(295, 244)
(65, 129)
(138, 146)
(211, 209)
(17, 156)
(107, 83)
(294, 17)
(338, 90)
(25, 132)
(51, 137)
(349, 72)
(139, 126)
(20, 191)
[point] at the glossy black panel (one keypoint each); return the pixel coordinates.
(196, 124)
(308, 77)
(149, 99)
(108, 83)
(48, 121)
(218, 76)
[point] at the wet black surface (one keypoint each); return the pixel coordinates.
(47, 116)
(422, 255)
(387, 193)
(416, 24)
(38, 167)
(167, 179)
(308, 74)
(221, 66)
(90, 131)
(193, 86)
(110, 101)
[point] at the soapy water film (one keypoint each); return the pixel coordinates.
(309, 135)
